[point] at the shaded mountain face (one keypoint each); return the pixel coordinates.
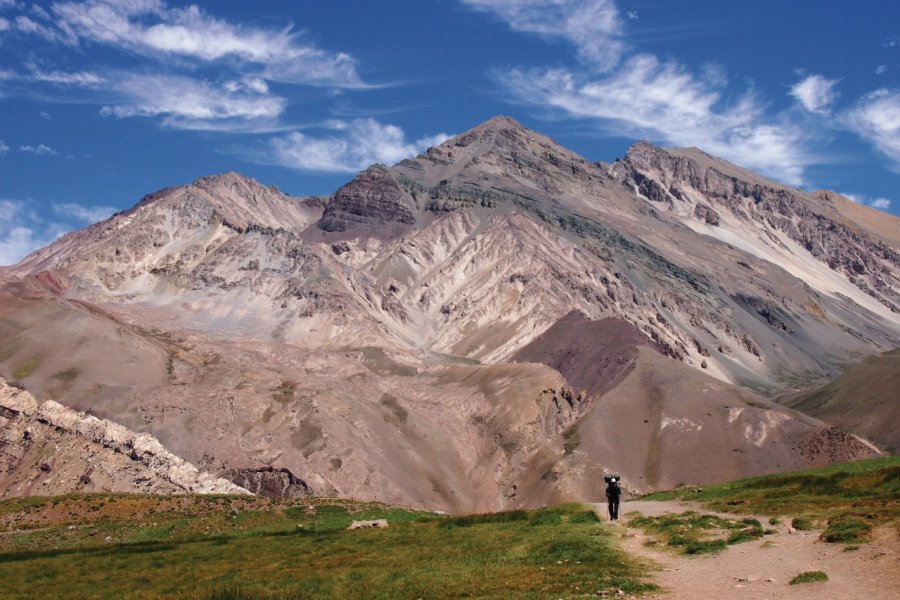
(864, 400)
(489, 324)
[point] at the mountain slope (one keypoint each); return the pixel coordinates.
(427, 334)
(865, 399)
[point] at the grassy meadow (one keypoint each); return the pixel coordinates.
(222, 547)
(846, 501)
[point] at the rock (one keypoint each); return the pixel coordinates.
(376, 523)
(372, 198)
(270, 481)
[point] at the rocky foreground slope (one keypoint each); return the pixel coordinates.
(492, 323)
(50, 449)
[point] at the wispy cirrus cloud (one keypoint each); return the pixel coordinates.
(181, 65)
(74, 78)
(154, 29)
(876, 118)
(3, 148)
(190, 103)
(643, 95)
(349, 147)
(594, 27)
(646, 97)
(815, 93)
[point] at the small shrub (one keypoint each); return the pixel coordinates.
(774, 521)
(851, 548)
(809, 577)
(801, 524)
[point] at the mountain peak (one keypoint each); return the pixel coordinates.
(226, 179)
(500, 123)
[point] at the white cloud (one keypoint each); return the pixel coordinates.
(78, 78)
(815, 93)
(27, 25)
(662, 100)
(880, 203)
(152, 28)
(86, 214)
(4, 24)
(192, 104)
(353, 146)
(22, 232)
(592, 26)
(3, 148)
(39, 150)
(881, 69)
(876, 118)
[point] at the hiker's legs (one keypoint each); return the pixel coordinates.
(614, 510)
(612, 513)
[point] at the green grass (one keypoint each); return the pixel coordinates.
(242, 548)
(809, 577)
(847, 500)
(694, 533)
(26, 367)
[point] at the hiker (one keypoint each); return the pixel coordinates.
(613, 493)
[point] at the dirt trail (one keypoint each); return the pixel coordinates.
(753, 572)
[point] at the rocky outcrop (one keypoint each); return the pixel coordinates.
(50, 449)
(715, 187)
(373, 198)
(270, 481)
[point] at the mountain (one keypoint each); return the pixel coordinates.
(492, 323)
(863, 400)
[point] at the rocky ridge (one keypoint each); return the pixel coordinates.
(50, 449)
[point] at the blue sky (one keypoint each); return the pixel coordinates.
(104, 101)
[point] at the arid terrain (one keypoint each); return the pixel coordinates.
(492, 324)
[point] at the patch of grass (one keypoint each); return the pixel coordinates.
(585, 516)
(851, 548)
(26, 367)
(545, 517)
(774, 521)
(481, 519)
(694, 533)
(261, 554)
(809, 577)
(70, 374)
(846, 530)
(852, 498)
(571, 440)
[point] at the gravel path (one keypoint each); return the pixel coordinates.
(753, 572)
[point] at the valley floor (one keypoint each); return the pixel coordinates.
(762, 569)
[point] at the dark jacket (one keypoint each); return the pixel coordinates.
(613, 491)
